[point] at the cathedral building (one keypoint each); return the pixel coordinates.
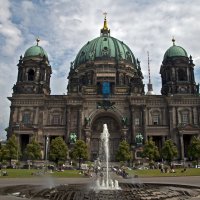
(105, 86)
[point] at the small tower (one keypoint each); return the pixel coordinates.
(149, 85)
(177, 72)
(34, 72)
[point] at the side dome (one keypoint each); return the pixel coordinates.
(175, 51)
(35, 51)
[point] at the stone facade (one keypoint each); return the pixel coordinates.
(125, 108)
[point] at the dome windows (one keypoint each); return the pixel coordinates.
(182, 75)
(31, 75)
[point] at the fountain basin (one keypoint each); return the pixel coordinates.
(83, 191)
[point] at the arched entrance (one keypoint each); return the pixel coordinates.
(115, 136)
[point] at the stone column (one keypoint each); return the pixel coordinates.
(67, 124)
(37, 74)
(36, 116)
(181, 146)
(132, 126)
(163, 117)
(193, 116)
(79, 123)
(144, 122)
(188, 74)
(163, 140)
(170, 122)
(11, 121)
(12, 115)
(88, 140)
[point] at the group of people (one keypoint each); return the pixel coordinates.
(120, 171)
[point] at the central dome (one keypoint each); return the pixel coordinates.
(104, 47)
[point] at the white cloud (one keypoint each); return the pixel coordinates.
(65, 26)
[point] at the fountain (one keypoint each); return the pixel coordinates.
(106, 183)
(105, 188)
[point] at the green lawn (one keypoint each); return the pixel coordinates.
(26, 173)
(157, 172)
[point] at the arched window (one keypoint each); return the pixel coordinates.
(31, 75)
(56, 119)
(26, 118)
(185, 117)
(155, 117)
(182, 75)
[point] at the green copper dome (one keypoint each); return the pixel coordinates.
(104, 47)
(36, 51)
(175, 51)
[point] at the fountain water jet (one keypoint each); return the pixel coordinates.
(106, 183)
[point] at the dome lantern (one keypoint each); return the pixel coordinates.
(105, 30)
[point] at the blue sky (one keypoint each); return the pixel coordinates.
(64, 26)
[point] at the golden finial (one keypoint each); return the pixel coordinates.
(173, 40)
(105, 26)
(37, 40)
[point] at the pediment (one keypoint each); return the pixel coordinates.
(187, 126)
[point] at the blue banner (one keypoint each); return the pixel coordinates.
(106, 88)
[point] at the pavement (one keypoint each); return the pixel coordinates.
(49, 181)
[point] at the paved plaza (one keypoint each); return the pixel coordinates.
(48, 181)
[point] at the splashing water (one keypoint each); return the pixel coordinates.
(106, 182)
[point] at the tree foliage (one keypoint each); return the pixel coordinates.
(194, 149)
(33, 150)
(79, 151)
(151, 150)
(11, 150)
(169, 150)
(58, 150)
(123, 153)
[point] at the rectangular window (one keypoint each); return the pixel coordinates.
(56, 119)
(155, 120)
(26, 118)
(185, 118)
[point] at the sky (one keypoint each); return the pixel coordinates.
(64, 26)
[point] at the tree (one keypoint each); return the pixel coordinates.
(11, 149)
(1, 152)
(58, 150)
(123, 153)
(169, 150)
(194, 149)
(33, 150)
(79, 151)
(151, 150)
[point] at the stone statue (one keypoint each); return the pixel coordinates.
(139, 139)
(124, 121)
(72, 138)
(87, 121)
